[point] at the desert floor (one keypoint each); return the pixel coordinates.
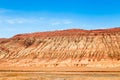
(59, 75)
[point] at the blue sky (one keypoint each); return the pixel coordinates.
(26, 16)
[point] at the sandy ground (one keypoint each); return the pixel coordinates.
(59, 75)
(61, 69)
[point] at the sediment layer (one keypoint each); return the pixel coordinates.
(65, 48)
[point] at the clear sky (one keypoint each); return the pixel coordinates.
(26, 16)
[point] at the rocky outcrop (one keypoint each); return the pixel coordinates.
(65, 48)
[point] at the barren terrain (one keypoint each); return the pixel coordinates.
(59, 76)
(65, 50)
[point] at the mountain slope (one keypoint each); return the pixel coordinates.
(65, 48)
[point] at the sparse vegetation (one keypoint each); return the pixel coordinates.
(61, 76)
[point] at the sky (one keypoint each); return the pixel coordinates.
(27, 16)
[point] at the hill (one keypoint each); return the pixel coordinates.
(73, 48)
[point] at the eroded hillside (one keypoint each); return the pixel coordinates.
(65, 48)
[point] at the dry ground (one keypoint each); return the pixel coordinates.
(59, 75)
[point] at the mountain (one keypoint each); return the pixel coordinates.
(72, 48)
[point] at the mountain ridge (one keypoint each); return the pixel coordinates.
(69, 32)
(65, 48)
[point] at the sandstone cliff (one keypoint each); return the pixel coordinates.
(65, 48)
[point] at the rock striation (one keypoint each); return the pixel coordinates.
(64, 48)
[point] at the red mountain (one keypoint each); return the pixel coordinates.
(64, 50)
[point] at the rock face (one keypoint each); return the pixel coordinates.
(65, 48)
